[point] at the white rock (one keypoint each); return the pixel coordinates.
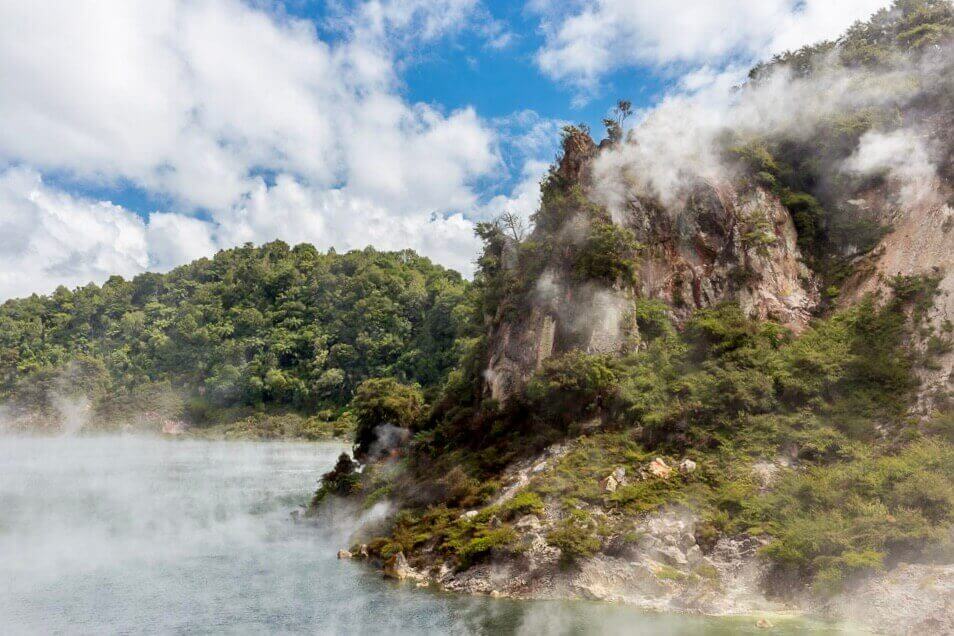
(687, 466)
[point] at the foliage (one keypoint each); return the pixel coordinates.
(837, 519)
(608, 254)
(340, 481)
(575, 537)
(572, 387)
(271, 325)
(382, 402)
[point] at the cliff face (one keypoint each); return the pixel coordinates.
(729, 239)
(724, 242)
(921, 243)
(720, 241)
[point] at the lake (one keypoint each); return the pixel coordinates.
(131, 535)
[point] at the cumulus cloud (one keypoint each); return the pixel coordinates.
(244, 115)
(190, 99)
(584, 41)
(48, 238)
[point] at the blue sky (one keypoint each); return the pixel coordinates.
(141, 134)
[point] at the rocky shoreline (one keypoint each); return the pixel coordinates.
(661, 576)
(667, 566)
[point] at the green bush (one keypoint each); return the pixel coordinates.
(573, 386)
(575, 537)
(833, 520)
(525, 502)
(340, 480)
(608, 254)
(383, 401)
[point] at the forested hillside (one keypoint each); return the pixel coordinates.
(268, 328)
(717, 373)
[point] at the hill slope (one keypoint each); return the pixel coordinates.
(716, 376)
(272, 328)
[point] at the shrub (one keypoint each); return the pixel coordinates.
(573, 386)
(831, 521)
(525, 502)
(481, 546)
(608, 255)
(340, 480)
(575, 536)
(380, 401)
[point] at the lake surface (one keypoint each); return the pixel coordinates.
(139, 535)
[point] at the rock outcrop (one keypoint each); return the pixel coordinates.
(720, 241)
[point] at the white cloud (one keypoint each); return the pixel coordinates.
(48, 238)
(524, 199)
(593, 38)
(174, 239)
(190, 99)
(249, 116)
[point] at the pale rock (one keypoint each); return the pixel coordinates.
(766, 473)
(620, 475)
(694, 555)
(609, 484)
(660, 468)
(673, 555)
(344, 554)
(470, 514)
(687, 467)
(528, 523)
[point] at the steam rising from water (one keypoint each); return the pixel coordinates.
(140, 535)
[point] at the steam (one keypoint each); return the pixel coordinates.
(74, 412)
(589, 311)
(904, 156)
(681, 140)
(387, 438)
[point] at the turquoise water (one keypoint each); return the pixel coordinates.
(138, 535)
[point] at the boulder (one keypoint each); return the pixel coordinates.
(396, 567)
(672, 555)
(620, 475)
(344, 554)
(470, 514)
(528, 522)
(609, 484)
(687, 466)
(659, 468)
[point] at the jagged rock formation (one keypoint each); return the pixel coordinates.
(721, 241)
(724, 241)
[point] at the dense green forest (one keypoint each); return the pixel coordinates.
(253, 329)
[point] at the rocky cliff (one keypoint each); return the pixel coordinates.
(726, 240)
